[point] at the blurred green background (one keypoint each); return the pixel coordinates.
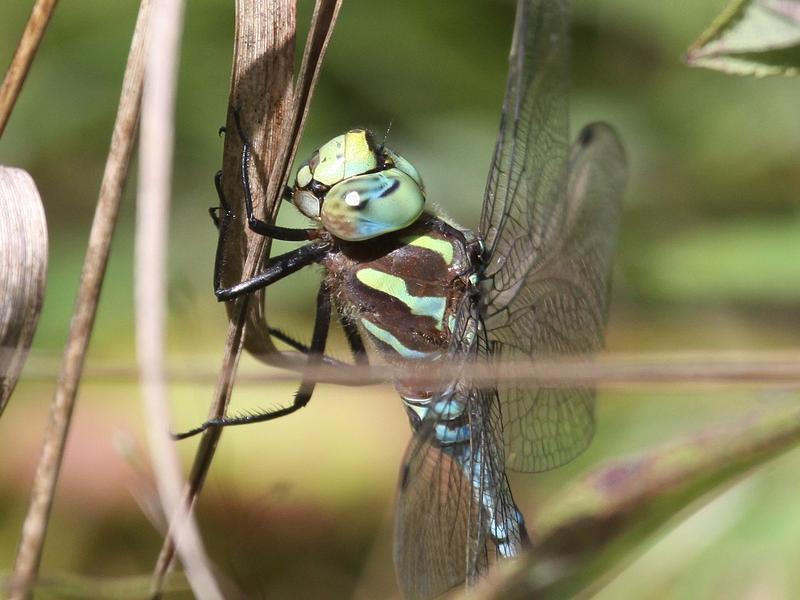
(709, 259)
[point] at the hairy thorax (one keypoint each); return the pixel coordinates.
(403, 290)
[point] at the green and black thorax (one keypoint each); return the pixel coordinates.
(397, 271)
(404, 290)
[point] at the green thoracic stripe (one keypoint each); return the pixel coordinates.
(423, 306)
(442, 247)
(390, 340)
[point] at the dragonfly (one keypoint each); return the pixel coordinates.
(419, 289)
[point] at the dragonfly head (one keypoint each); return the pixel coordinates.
(357, 189)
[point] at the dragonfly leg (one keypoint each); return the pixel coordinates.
(353, 340)
(223, 205)
(262, 227)
(289, 340)
(306, 390)
(304, 349)
(276, 269)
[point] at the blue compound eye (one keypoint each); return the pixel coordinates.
(366, 206)
(405, 166)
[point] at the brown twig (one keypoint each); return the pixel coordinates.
(291, 110)
(261, 78)
(639, 370)
(35, 526)
(23, 57)
(155, 173)
(262, 93)
(618, 370)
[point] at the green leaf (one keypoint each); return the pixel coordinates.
(751, 37)
(588, 532)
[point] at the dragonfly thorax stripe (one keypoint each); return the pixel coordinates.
(403, 289)
(385, 337)
(442, 248)
(396, 287)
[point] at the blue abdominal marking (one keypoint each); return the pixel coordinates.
(445, 435)
(501, 526)
(449, 409)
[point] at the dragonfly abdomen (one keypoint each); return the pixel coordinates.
(452, 425)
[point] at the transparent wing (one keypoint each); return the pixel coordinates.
(444, 491)
(549, 221)
(557, 303)
(528, 165)
(439, 542)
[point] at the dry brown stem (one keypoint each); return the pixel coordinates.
(155, 174)
(35, 526)
(23, 57)
(263, 58)
(272, 113)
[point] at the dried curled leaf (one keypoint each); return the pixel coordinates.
(23, 266)
(751, 37)
(272, 107)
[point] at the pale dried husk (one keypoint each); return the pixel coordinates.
(23, 267)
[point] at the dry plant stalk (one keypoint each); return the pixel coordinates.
(152, 216)
(640, 370)
(35, 526)
(617, 371)
(262, 68)
(23, 267)
(272, 113)
(23, 57)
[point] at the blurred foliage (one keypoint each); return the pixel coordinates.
(706, 261)
(599, 520)
(752, 37)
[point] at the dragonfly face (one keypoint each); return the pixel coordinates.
(358, 190)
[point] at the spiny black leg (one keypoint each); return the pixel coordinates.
(262, 227)
(318, 340)
(276, 269)
(222, 204)
(322, 325)
(354, 340)
(288, 340)
(359, 357)
(301, 347)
